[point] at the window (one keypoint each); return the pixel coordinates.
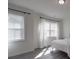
(48, 29)
(15, 27)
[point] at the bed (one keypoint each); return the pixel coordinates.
(62, 44)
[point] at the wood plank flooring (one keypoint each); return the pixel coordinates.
(52, 55)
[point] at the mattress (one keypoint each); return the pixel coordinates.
(62, 44)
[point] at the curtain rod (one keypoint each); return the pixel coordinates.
(19, 11)
(49, 19)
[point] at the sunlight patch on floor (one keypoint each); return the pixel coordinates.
(45, 52)
(41, 53)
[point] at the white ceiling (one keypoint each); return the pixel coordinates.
(48, 7)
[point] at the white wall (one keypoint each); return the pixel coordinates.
(60, 23)
(66, 27)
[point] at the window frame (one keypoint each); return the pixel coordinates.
(18, 14)
(50, 30)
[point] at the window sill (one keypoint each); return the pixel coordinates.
(14, 41)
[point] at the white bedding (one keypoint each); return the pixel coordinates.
(63, 45)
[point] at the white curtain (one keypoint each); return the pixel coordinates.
(48, 31)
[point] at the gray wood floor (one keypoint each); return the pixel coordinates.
(52, 55)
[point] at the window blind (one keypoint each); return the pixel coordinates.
(15, 27)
